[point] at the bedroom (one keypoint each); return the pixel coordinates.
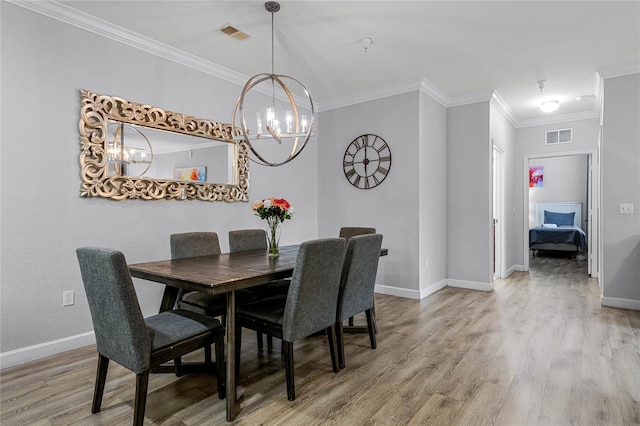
(558, 206)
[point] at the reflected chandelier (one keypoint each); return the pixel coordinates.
(279, 116)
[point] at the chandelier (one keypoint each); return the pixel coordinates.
(279, 104)
(132, 158)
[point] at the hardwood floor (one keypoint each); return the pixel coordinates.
(539, 350)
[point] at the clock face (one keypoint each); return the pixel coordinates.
(367, 161)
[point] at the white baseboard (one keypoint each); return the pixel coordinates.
(397, 291)
(470, 285)
(513, 269)
(41, 350)
(615, 302)
(424, 292)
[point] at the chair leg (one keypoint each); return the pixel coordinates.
(177, 362)
(371, 325)
(288, 366)
(101, 378)
(207, 356)
(373, 312)
(221, 368)
(260, 344)
(332, 348)
(269, 342)
(340, 343)
(142, 383)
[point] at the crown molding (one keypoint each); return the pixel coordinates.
(470, 99)
(84, 21)
(503, 108)
(612, 72)
(90, 23)
(406, 87)
(436, 94)
(558, 119)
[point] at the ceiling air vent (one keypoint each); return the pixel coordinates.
(559, 136)
(235, 33)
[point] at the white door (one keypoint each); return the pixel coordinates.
(592, 215)
(498, 208)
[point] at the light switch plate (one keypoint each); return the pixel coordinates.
(626, 208)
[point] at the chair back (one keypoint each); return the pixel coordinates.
(313, 294)
(350, 231)
(192, 244)
(359, 275)
(118, 324)
(247, 239)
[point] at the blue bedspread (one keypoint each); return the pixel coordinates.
(561, 234)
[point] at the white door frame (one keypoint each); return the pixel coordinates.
(498, 212)
(593, 242)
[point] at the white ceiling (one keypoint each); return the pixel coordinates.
(465, 49)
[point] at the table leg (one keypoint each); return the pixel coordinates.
(169, 298)
(232, 406)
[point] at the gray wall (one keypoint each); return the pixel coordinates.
(392, 207)
(409, 207)
(530, 141)
(621, 184)
(469, 196)
(432, 193)
(44, 65)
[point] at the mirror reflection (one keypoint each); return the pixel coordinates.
(138, 151)
(145, 152)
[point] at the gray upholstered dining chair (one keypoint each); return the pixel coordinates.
(247, 239)
(308, 308)
(351, 231)
(137, 343)
(192, 244)
(256, 239)
(357, 285)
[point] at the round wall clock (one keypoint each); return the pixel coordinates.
(367, 161)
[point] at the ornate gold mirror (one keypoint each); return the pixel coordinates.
(130, 150)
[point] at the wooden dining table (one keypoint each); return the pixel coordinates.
(219, 274)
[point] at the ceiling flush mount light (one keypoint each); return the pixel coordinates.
(550, 105)
(279, 112)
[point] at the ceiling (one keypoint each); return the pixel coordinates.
(465, 49)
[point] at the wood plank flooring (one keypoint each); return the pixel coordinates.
(539, 350)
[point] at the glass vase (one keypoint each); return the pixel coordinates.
(273, 238)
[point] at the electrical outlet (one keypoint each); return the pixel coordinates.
(626, 208)
(68, 298)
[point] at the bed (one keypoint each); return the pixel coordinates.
(558, 228)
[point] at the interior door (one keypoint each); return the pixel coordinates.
(498, 227)
(592, 215)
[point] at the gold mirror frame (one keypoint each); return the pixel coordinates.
(96, 111)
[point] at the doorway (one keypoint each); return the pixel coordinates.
(590, 175)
